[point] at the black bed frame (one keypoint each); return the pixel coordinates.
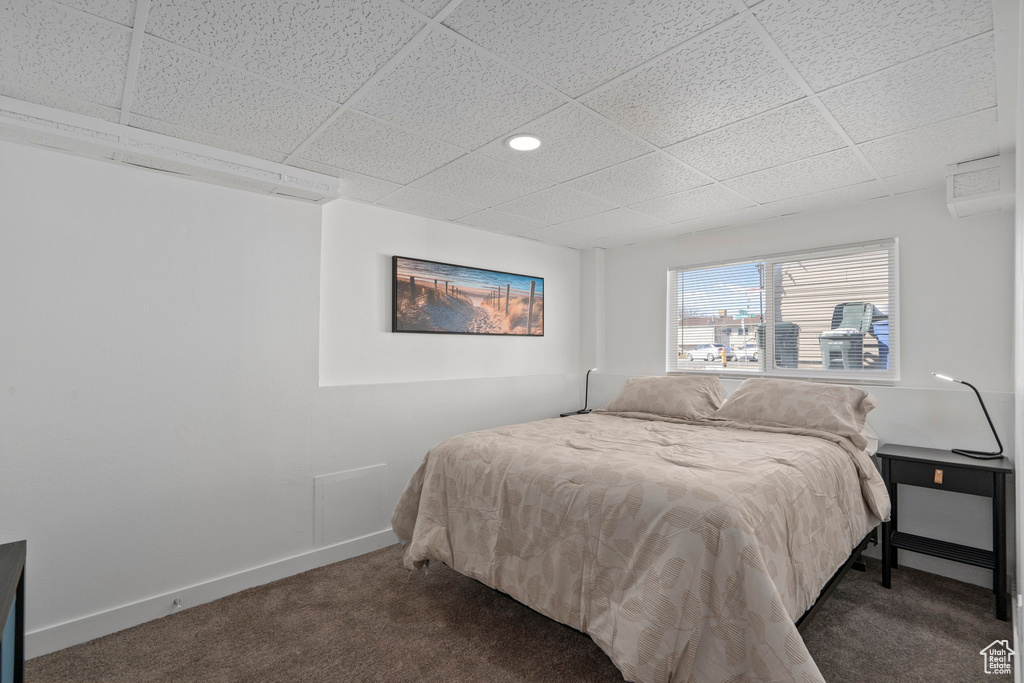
(854, 561)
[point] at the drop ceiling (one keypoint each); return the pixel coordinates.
(657, 117)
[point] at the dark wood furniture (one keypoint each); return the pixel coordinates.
(946, 471)
(12, 612)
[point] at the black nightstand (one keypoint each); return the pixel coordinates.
(937, 469)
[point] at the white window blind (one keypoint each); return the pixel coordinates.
(829, 313)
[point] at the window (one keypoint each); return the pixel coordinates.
(828, 313)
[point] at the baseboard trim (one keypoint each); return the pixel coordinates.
(52, 638)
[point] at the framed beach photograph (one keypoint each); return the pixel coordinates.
(442, 298)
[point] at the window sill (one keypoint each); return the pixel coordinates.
(827, 378)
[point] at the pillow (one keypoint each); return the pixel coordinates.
(689, 397)
(830, 408)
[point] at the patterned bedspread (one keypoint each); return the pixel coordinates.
(685, 550)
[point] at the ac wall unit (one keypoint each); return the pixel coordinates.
(979, 187)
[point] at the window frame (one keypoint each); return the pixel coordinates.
(887, 377)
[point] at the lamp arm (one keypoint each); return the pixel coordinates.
(586, 393)
(991, 426)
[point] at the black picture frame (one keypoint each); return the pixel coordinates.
(474, 301)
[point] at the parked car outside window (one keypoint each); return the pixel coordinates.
(747, 352)
(710, 352)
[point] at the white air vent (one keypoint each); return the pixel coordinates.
(979, 187)
(34, 124)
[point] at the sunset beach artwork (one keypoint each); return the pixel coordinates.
(442, 298)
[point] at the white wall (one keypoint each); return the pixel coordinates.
(161, 419)
(956, 308)
(356, 342)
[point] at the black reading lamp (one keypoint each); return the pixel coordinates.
(980, 455)
(586, 398)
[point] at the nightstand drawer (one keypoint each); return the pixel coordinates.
(947, 478)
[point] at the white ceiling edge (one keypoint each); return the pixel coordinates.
(214, 165)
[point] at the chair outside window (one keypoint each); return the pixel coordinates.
(844, 343)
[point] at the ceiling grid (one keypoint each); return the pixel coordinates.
(657, 118)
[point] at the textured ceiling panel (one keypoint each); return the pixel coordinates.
(840, 196)
(205, 138)
(51, 48)
(834, 42)
(574, 142)
(428, 204)
(359, 143)
(953, 82)
(556, 205)
(949, 142)
(692, 204)
(718, 79)
(646, 177)
(325, 48)
(121, 11)
(496, 221)
(351, 185)
(477, 179)
(586, 232)
(428, 7)
(58, 100)
(179, 87)
(577, 45)
(450, 91)
(786, 134)
(919, 180)
(823, 172)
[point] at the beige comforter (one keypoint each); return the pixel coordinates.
(685, 550)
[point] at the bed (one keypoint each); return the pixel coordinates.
(685, 540)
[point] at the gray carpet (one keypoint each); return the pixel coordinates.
(368, 619)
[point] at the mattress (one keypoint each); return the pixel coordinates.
(685, 549)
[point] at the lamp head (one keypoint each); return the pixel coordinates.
(948, 379)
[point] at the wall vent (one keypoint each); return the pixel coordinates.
(349, 504)
(978, 187)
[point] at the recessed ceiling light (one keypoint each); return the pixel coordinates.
(523, 143)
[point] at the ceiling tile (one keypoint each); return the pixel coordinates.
(352, 185)
(428, 7)
(575, 46)
(840, 196)
(51, 48)
(786, 134)
(452, 92)
(692, 204)
(919, 180)
(428, 204)
(574, 142)
(823, 172)
(182, 88)
(58, 100)
(555, 205)
(646, 177)
(120, 11)
(974, 136)
(834, 42)
(205, 138)
(325, 48)
(478, 179)
(496, 221)
(362, 144)
(586, 232)
(723, 77)
(953, 82)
